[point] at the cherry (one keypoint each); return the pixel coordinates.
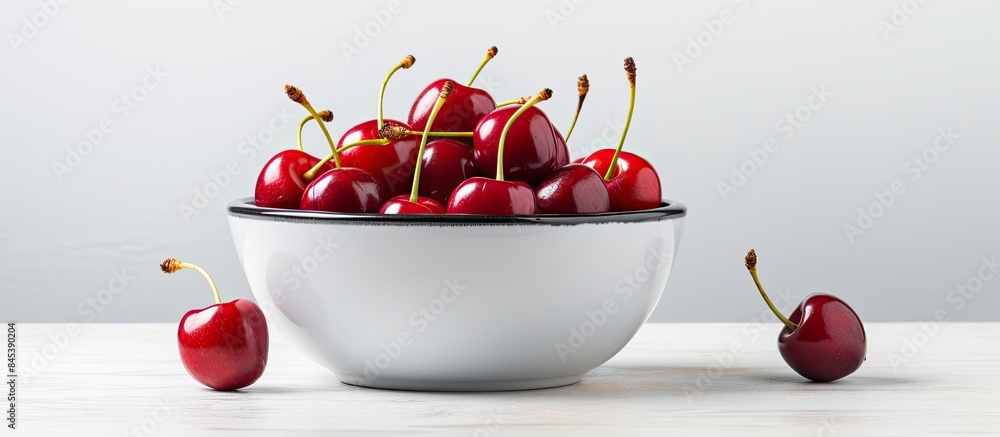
(562, 150)
(281, 181)
(633, 186)
(392, 161)
(403, 205)
(485, 196)
(341, 189)
(535, 150)
(447, 163)
(823, 340)
(223, 346)
(415, 204)
(464, 109)
(573, 189)
(344, 189)
(632, 182)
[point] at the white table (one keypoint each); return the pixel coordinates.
(672, 379)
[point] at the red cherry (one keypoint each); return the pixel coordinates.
(280, 183)
(344, 189)
(485, 196)
(393, 164)
(632, 182)
(465, 107)
(402, 205)
(633, 186)
(579, 160)
(461, 113)
(533, 150)
(392, 161)
(412, 203)
(573, 189)
(829, 342)
(447, 163)
(823, 340)
(562, 149)
(223, 346)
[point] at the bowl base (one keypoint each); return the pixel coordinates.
(470, 386)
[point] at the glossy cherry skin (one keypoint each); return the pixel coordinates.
(393, 164)
(485, 196)
(225, 345)
(345, 189)
(579, 160)
(562, 149)
(533, 150)
(634, 186)
(572, 189)
(463, 110)
(402, 205)
(830, 341)
(280, 183)
(446, 164)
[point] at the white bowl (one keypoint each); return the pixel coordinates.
(457, 303)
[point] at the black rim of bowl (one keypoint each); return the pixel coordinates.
(246, 207)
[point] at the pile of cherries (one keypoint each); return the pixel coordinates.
(460, 152)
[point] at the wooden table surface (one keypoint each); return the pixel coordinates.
(672, 379)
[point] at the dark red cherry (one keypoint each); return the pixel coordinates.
(402, 205)
(447, 163)
(823, 340)
(280, 183)
(393, 164)
(633, 186)
(534, 148)
(829, 342)
(485, 196)
(463, 110)
(562, 149)
(345, 189)
(572, 189)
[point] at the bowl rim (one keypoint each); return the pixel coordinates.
(246, 208)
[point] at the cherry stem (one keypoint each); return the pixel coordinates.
(407, 62)
(326, 133)
(171, 265)
(442, 134)
(443, 97)
(394, 131)
(325, 114)
(490, 53)
(377, 142)
(583, 86)
(309, 175)
(542, 95)
(297, 96)
(630, 74)
(751, 263)
(520, 101)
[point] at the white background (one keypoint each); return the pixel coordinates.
(67, 238)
